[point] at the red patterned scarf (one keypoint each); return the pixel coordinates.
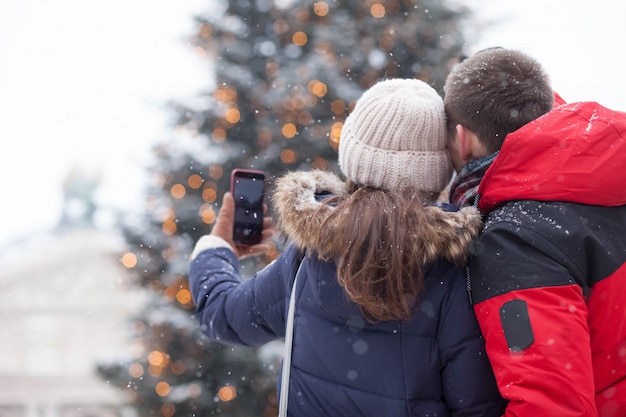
(464, 188)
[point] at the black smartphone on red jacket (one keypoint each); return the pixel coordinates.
(248, 189)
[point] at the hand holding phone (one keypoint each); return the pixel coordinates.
(248, 189)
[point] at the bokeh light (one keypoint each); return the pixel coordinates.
(288, 156)
(225, 94)
(317, 88)
(178, 191)
(321, 8)
(377, 10)
(227, 393)
(299, 38)
(129, 260)
(194, 181)
(157, 358)
(338, 106)
(335, 134)
(183, 296)
(319, 163)
(207, 214)
(232, 115)
(289, 130)
(170, 293)
(135, 370)
(209, 195)
(169, 227)
(162, 388)
(219, 135)
(216, 171)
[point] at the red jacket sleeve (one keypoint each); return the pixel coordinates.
(533, 315)
(553, 376)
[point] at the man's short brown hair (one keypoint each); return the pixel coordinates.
(495, 92)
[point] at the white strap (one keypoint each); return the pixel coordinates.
(284, 382)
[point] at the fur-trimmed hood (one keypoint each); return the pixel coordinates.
(301, 213)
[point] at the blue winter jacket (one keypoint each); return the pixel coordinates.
(431, 365)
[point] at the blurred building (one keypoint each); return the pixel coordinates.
(65, 305)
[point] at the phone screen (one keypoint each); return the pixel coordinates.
(248, 188)
(248, 191)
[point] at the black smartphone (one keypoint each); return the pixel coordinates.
(248, 189)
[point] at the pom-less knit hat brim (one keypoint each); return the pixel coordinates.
(397, 170)
(395, 138)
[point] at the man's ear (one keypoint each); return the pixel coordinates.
(464, 147)
(470, 146)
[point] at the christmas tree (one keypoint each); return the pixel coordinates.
(286, 75)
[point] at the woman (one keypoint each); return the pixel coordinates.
(383, 323)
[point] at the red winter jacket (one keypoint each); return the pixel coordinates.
(548, 277)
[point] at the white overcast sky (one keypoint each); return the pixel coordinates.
(81, 83)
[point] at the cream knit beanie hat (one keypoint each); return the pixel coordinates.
(395, 138)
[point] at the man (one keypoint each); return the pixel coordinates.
(548, 275)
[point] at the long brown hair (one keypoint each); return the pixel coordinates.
(379, 261)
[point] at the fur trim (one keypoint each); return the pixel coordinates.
(441, 235)
(296, 206)
(450, 235)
